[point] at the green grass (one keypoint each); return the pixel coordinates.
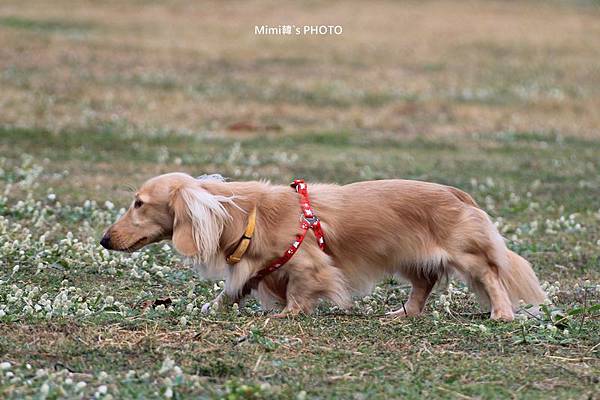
(45, 25)
(331, 354)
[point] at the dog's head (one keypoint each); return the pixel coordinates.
(172, 206)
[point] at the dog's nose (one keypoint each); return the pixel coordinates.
(105, 242)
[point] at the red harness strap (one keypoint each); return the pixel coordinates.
(309, 221)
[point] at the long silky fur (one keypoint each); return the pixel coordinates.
(421, 231)
(208, 215)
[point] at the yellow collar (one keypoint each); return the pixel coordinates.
(242, 246)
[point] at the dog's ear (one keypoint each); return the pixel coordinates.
(183, 236)
(199, 218)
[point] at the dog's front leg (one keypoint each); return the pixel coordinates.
(220, 302)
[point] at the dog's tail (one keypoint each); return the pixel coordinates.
(515, 273)
(520, 282)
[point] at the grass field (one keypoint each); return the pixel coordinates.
(500, 99)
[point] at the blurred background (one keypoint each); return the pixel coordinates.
(176, 84)
(417, 68)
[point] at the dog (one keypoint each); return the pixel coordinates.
(420, 231)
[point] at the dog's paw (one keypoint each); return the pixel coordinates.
(207, 307)
(282, 315)
(402, 313)
(502, 315)
(289, 312)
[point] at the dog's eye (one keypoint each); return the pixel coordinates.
(138, 203)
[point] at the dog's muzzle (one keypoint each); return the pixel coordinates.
(105, 242)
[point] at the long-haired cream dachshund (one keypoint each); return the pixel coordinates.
(247, 233)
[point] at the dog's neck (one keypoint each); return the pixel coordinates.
(277, 207)
(267, 199)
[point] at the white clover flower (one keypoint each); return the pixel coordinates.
(16, 269)
(183, 321)
(521, 317)
(301, 395)
(51, 196)
(44, 390)
(5, 365)
(168, 393)
(160, 308)
(167, 365)
(109, 205)
(102, 375)
(100, 391)
(482, 328)
(80, 385)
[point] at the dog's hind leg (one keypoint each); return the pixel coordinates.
(421, 288)
(482, 273)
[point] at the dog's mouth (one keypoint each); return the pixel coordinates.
(118, 244)
(137, 245)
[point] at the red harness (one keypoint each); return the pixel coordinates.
(309, 221)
